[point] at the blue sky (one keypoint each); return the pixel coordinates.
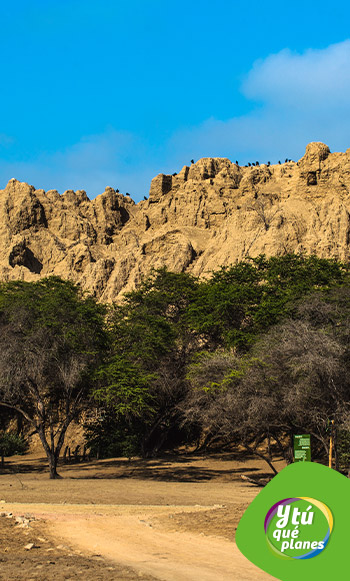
(111, 93)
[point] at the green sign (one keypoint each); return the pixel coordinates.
(302, 448)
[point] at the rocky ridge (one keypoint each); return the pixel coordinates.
(210, 214)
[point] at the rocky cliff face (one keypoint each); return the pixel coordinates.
(210, 214)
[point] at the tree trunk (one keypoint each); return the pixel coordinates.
(260, 455)
(158, 445)
(285, 453)
(53, 466)
(76, 453)
(53, 452)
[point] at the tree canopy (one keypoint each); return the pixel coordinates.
(252, 353)
(51, 336)
(295, 379)
(164, 325)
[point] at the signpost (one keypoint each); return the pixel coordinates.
(302, 448)
(331, 444)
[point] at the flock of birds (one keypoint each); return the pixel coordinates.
(249, 164)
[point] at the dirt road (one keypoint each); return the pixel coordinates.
(140, 537)
(171, 519)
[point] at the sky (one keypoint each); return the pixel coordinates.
(111, 93)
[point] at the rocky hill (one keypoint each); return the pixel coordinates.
(210, 214)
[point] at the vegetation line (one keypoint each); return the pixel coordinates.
(251, 356)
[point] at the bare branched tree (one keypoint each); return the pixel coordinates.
(292, 381)
(49, 337)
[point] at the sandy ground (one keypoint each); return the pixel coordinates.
(49, 560)
(170, 519)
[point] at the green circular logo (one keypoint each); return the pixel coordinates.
(298, 528)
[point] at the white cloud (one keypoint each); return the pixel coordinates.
(316, 79)
(294, 98)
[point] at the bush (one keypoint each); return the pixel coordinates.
(11, 444)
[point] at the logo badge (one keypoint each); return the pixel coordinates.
(298, 528)
(303, 513)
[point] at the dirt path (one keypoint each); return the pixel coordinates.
(140, 537)
(171, 518)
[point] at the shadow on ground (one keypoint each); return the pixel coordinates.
(168, 468)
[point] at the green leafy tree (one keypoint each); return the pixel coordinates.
(144, 376)
(171, 316)
(240, 302)
(51, 337)
(109, 435)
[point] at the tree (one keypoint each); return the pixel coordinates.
(239, 303)
(143, 377)
(171, 316)
(294, 380)
(300, 369)
(51, 336)
(225, 407)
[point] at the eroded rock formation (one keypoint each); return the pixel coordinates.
(210, 214)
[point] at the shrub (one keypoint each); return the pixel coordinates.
(11, 444)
